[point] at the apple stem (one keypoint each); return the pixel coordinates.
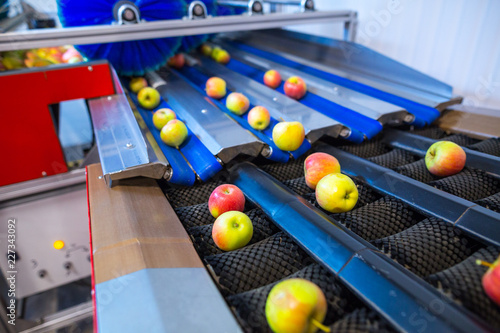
(320, 326)
(480, 262)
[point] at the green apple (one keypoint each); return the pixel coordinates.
(162, 116)
(220, 55)
(148, 98)
(232, 230)
(259, 118)
(336, 193)
(206, 50)
(288, 136)
(237, 103)
(445, 158)
(296, 306)
(137, 83)
(174, 133)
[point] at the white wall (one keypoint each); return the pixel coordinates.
(455, 41)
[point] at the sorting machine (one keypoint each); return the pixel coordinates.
(404, 259)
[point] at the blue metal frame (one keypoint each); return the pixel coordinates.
(395, 293)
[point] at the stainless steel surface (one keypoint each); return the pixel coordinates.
(160, 29)
(280, 106)
(222, 136)
(252, 6)
(63, 318)
(355, 62)
(477, 110)
(122, 149)
(361, 103)
(40, 185)
(303, 4)
(38, 224)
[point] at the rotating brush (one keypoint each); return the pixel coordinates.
(128, 58)
(191, 42)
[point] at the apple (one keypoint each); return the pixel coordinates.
(445, 158)
(206, 50)
(162, 117)
(295, 87)
(319, 165)
(70, 53)
(148, 98)
(288, 136)
(336, 193)
(491, 280)
(215, 87)
(272, 79)
(232, 230)
(137, 83)
(220, 55)
(226, 198)
(177, 61)
(237, 103)
(259, 118)
(296, 306)
(174, 133)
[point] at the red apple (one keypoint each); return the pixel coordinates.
(295, 87)
(226, 198)
(288, 136)
(272, 79)
(336, 193)
(319, 165)
(296, 306)
(174, 133)
(259, 118)
(445, 158)
(232, 230)
(491, 281)
(215, 87)
(177, 61)
(237, 103)
(162, 116)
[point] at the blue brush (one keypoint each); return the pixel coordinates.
(191, 42)
(128, 58)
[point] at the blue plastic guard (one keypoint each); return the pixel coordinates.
(424, 114)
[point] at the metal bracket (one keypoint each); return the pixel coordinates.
(197, 10)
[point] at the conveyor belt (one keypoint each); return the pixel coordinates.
(440, 255)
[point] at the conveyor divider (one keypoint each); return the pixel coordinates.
(348, 117)
(423, 114)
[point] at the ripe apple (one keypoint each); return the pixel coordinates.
(259, 118)
(319, 165)
(336, 193)
(295, 87)
(226, 198)
(220, 55)
(137, 83)
(237, 103)
(272, 79)
(295, 306)
(445, 158)
(70, 54)
(174, 133)
(216, 87)
(148, 98)
(491, 281)
(232, 230)
(206, 50)
(162, 116)
(288, 135)
(177, 61)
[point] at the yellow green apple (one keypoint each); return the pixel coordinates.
(272, 79)
(220, 55)
(288, 136)
(174, 133)
(206, 50)
(295, 87)
(336, 193)
(445, 158)
(225, 198)
(259, 118)
(232, 230)
(137, 83)
(215, 87)
(319, 165)
(296, 306)
(148, 98)
(237, 103)
(162, 116)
